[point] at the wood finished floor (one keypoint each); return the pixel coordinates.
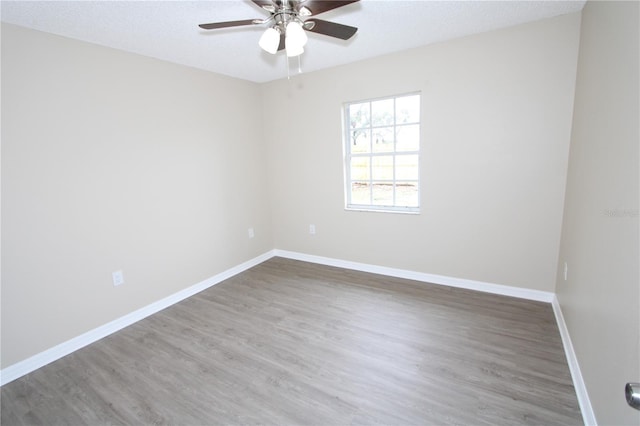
(289, 342)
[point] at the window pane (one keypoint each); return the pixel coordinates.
(360, 193)
(407, 194)
(360, 168)
(408, 109)
(382, 194)
(359, 115)
(408, 138)
(382, 112)
(407, 167)
(382, 139)
(382, 145)
(382, 167)
(360, 141)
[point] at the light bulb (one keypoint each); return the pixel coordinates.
(270, 40)
(296, 33)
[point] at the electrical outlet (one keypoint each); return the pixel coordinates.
(251, 233)
(118, 278)
(312, 229)
(566, 270)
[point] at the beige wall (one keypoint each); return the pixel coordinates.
(116, 161)
(601, 297)
(496, 124)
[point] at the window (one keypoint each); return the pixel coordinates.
(382, 154)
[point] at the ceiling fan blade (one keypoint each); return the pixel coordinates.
(216, 25)
(320, 6)
(332, 29)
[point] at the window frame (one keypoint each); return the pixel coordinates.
(348, 155)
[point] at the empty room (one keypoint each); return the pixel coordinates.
(320, 212)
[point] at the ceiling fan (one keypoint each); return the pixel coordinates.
(289, 20)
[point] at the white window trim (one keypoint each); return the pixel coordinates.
(349, 206)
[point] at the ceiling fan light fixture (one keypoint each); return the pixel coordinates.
(294, 51)
(295, 39)
(295, 34)
(270, 40)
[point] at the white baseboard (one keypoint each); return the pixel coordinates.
(588, 415)
(21, 368)
(522, 293)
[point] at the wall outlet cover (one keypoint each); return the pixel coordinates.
(118, 278)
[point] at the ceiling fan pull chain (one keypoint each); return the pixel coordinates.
(299, 66)
(288, 76)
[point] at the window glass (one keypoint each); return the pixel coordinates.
(360, 168)
(382, 112)
(408, 109)
(406, 167)
(408, 137)
(359, 115)
(360, 140)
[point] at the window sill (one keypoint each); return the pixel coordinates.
(407, 210)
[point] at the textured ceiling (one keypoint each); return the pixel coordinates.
(168, 30)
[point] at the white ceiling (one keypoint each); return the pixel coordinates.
(168, 30)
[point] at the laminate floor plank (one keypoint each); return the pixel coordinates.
(289, 342)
